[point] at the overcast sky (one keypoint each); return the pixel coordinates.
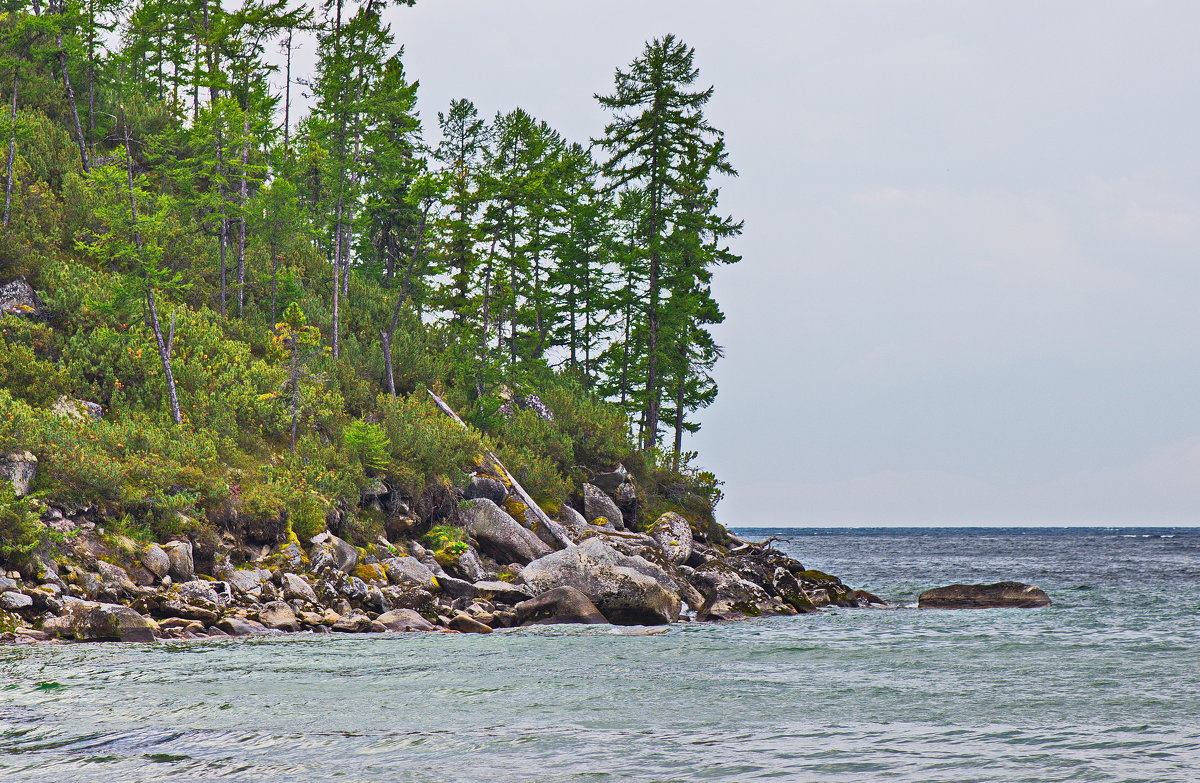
(970, 275)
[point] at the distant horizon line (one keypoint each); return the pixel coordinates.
(1024, 525)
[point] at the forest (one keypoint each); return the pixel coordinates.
(259, 302)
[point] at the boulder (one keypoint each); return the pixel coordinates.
(1001, 595)
(609, 482)
(628, 590)
(561, 605)
(182, 567)
(573, 522)
(404, 620)
(240, 626)
(409, 570)
(596, 504)
(15, 602)
(673, 535)
(200, 593)
(247, 583)
(499, 534)
(296, 589)
(353, 622)
(464, 623)
(86, 621)
(492, 489)
(156, 560)
(330, 551)
(77, 410)
(468, 566)
(407, 597)
(279, 616)
(18, 468)
(503, 592)
(727, 596)
(17, 297)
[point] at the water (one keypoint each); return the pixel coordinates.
(1104, 686)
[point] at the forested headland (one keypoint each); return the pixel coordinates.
(232, 326)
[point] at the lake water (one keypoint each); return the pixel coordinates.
(1103, 686)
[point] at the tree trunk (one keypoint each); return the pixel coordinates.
(12, 148)
(243, 196)
(287, 94)
(70, 91)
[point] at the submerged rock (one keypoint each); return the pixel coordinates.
(1001, 595)
(560, 605)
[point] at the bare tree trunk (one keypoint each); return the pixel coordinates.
(70, 91)
(287, 94)
(385, 337)
(12, 148)
(164, 348)
(337, 274)
(243, 196)
(274, 277)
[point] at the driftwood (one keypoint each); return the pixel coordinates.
(556, 530)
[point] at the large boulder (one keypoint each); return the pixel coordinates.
(404, 620)
(609, 482)
(17, 297)
(279, 616)
(573, 522)
(728, 596)
(15, 602)
(156, 560)
(329, 551)
(674, 536)
(561, 605)
(296, 589)
(1001, 595)
(182, 566)
(77, 410)
(499, 535)
(18, 468)
(597, 505)
(628, 590)
(409, 570)
(86, 621)
(486, 487)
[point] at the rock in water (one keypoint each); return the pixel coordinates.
(596, 504)
(560, 605)
(499, 534)
(628, 590)
(279, 616)
(1002, 595)
(404, 620)
(86, 621)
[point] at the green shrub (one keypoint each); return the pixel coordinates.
(21, 530)
(424, 443)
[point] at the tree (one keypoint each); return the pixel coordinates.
(301, 343)
(657, 135)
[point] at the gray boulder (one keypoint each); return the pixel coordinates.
(18, 468)
(468, 566)
(247, 583)
(279, 616)
(727, 596)
(573, 522)
(240, 626)
(596, 504)
(464, 623)
(15, 602)
(156, 560)
(628, 590)
(404, 620)
(500, 535)
(674, 536)
(609, 482)
(561, 605)
(17, 297)
(78, 410)
(1001, 595)
(86, 621)
(492, 489)
(353, 622)
(182, 567)
(409, 570)
(503, 592)
(330, 551)
(296, 589)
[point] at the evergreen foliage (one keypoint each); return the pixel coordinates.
(260, 305)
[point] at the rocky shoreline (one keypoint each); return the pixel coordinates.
(584, 566)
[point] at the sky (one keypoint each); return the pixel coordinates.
(968, 293)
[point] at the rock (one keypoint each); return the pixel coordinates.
(77, 410)
(1001, 595)
(596, 504)
(279, 616)
(182, 567)
(727, 596)
(404, 620)
(457, 588)
(409, 570)
(8, 583)
(15, 602)
(198, 592)
(247, 583)
(468, 566)
(674, 536)
(330, 551)
(86, 621)
(628, 590)
(609, 482)
(115, 576)
(561, 605)
(18, 468)
(499, 534)
(296, 589)
(503, 592)
(467, 624)
(156, 560)
(407, 597)
(240, 626)
(353, 622)
(487, 487)
(172, 608)
(17, 297)
(573, 522)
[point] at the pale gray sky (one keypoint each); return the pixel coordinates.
(970, 276)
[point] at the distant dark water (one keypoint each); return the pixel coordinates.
(1104, 686)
